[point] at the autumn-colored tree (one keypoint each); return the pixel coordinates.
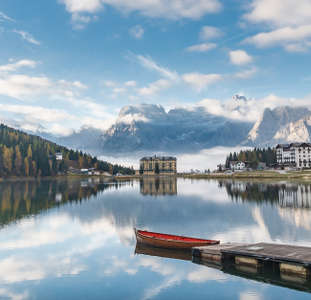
(26, 166)
(18, 162)
(7, 159)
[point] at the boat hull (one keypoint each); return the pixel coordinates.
(171, 241)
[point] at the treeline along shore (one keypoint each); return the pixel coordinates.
(26, 155)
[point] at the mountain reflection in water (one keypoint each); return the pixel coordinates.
(73, 238)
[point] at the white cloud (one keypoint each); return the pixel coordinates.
(204, 47)
(103, 122)
(80, 21)
(7, 294)
(19, 64)
(173, 9)
(240, 57)
(200, 81)
(25, 87)
(289, 22)
(137, 32)
(37, 113)
(82, 6)
(59, 130)
(204, 274)
(284, 36)
(75, 84)
(130, 83)
(154, 87)
(20, 86)
(279, 13)
(129, 118)
(245, 73)
(296, 47)
(27, 37)
(109, 83)
(150, 64)
(13, 270)
(209, 32)
(4, 17)
(93, 108)
(251, 109)
(119, 90)
(250, 295)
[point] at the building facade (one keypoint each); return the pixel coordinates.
(158, 165)
(297, 155)
(237, 165)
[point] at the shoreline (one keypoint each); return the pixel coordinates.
(303, 175)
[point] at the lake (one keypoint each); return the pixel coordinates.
(74, 238)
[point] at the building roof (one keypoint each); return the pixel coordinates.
(233, 163)
(150, 158)
(287, 146)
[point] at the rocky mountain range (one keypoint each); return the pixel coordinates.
(281, 125)
(150, 128)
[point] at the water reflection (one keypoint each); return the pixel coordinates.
(284, 194)
(266, 273)
(181, 254)
(75, 239)
(19, 199)
(161, 186)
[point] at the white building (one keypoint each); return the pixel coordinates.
(296, 155)
(237, 165)
(59, 156)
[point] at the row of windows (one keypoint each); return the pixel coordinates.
(170, 166)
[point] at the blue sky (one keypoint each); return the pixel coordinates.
(69, 63)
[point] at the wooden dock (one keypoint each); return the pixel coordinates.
(286, 259)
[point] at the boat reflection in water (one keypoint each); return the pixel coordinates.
(158, 186)
(182, 254)
(266, 273)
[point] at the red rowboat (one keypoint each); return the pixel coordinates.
(170, 241)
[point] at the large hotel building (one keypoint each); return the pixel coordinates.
(296, 155)
(158, 165)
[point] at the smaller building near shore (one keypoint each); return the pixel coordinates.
(237, 165)
(158, 165)
(59, 156)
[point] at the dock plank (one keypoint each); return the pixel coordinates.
(273, 252)
(215, 249)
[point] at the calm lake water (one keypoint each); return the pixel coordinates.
(74, 239)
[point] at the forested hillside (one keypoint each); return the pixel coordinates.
(253, 157)
(22, 154)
